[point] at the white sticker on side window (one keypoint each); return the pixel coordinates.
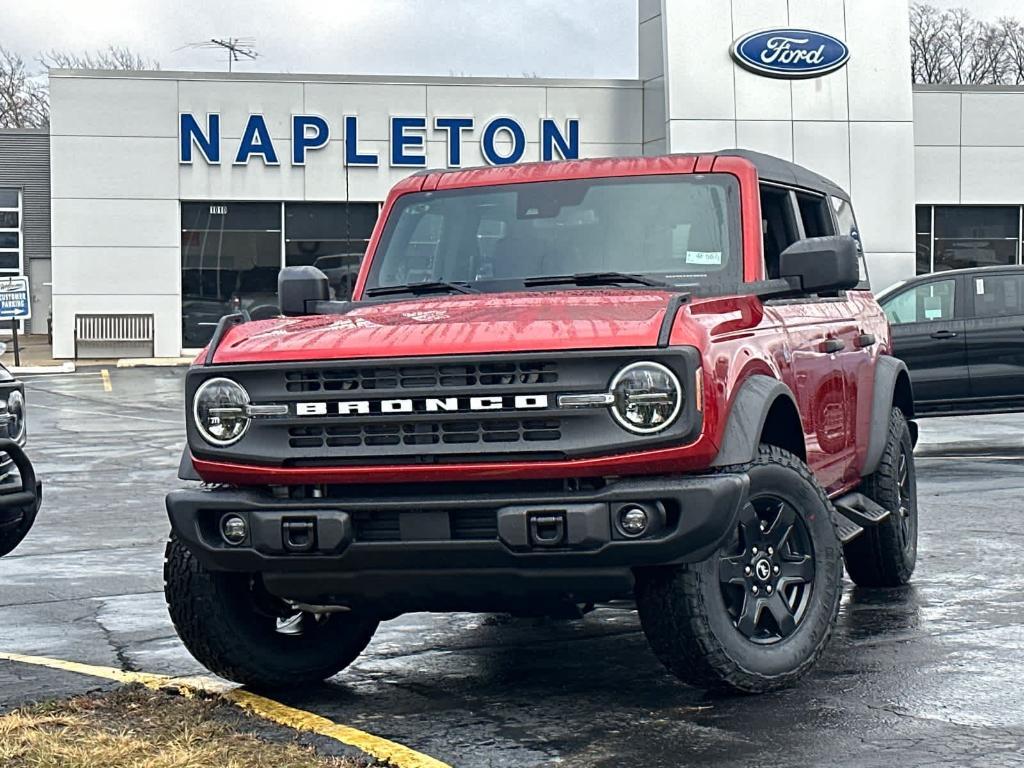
(979, 285)
(704, 257)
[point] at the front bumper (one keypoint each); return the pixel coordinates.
(459, 550)
(21, 494)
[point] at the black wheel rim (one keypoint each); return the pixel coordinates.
(906, 500)
(767, 576)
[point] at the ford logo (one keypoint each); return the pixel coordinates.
(790, 53)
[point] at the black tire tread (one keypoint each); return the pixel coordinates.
(875, 558)
(195, 600)
(677, 626)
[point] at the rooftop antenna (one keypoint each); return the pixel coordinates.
(236, 47)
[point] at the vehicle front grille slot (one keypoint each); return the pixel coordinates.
(425, 377)
(465, 524)
(469, 524)
(426, 433)
(376, 526)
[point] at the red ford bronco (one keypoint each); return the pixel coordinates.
(556, 385)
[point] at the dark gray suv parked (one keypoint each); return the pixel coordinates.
(961, 334)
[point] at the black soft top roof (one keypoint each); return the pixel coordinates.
(771, 168)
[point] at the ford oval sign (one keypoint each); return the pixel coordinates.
(790, 53)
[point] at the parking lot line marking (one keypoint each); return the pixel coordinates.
(390, 752)
(105, 376)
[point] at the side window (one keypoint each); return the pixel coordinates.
(847, 224)
(815, 215)
(778, 226)
(926, 303)
(998, 295)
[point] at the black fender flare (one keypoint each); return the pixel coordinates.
(888, 371)
(750, 407)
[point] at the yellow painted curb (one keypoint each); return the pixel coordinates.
(297, 719)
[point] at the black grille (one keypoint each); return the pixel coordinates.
(464, 525)
(373, 378)
(376, 526)
(425, 433)
(437, 420)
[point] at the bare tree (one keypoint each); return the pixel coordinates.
(1014, 50)
(113, 57)
(24, 102)
(953, 46)
(958, 39)
(929, 59)
(989, 62)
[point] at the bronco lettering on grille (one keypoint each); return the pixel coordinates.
(422, 405)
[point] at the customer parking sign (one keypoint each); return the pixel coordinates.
(14, 299)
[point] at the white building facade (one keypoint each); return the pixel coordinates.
(180, 195)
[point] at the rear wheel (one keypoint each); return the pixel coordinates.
(756, 615)
(238, 631)
(885, 555)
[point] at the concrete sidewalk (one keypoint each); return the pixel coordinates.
(37, 357)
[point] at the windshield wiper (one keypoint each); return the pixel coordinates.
(437, 286)
(599, 278)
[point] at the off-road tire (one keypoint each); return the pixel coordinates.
(685, 617)
(884, 555)
(14, 527)
(220, 621)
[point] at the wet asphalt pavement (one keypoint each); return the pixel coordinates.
(926, 675)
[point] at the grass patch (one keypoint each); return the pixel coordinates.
(134, 727)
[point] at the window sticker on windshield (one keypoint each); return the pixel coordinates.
(704, 257)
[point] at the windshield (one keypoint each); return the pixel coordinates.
(680, 229)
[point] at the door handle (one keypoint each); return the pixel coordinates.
(865, 340)
(831, 345)
(944, 335)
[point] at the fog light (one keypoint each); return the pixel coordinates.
(233, 529)
(633, 521)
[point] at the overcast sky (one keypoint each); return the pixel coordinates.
(493, 38)
(985, 9)
(567, 38)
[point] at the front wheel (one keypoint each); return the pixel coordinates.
(757, 614)
(238, 631)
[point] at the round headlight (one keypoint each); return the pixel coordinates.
(648, 397)
(219, 409)
(16, 416)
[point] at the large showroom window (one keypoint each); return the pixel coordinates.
(330, 236)
(230, 257)
(10, 232)
(231, 254)
(967, 236)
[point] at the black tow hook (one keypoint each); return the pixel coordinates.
(298, 535)
(547, 530)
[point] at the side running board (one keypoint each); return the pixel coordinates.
(853, 513)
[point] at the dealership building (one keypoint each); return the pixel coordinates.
(175, 197)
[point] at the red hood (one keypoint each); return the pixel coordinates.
(454, 325)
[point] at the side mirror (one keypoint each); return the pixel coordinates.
(822, 264)
(298, 285)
